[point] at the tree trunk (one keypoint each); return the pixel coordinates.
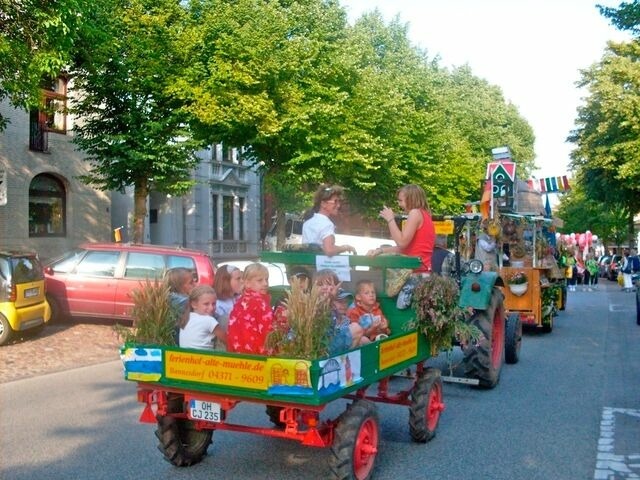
(281, 223)
(140, 194)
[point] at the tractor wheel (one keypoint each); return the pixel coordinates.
(273, 413)
(513, 339)
(355, 443)
(180, 443)
(483, 358)
(6, 332)
(426, 406)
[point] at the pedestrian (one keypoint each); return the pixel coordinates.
(418, 235)
(571, 272)
(591, 273)
(627, 271)
(199, 327)
(318, 229)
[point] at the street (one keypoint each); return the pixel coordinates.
(570, 409)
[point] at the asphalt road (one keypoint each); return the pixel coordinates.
(570, 409)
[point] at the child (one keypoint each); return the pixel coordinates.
(251, 318)
(344, 334)
(367, 311)
(228, 287)
(199, 327)
(180, 281)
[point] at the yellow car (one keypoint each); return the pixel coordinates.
(23, 305)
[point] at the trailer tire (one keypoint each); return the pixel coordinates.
(426, 405)
(513, 339)
(273, 413)
(355, 443)
(179, 441)
(483, 359)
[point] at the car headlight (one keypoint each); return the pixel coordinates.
(475, 266)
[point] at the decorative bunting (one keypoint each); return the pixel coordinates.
(554, 184)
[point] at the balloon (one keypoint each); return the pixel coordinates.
(594, 238)
(558, 235)
(572, 235)
(582, 240)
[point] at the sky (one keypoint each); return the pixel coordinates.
(532, 49)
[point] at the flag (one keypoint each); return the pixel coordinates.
(485, 201)
(547, 208)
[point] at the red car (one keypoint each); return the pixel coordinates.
(96, 279)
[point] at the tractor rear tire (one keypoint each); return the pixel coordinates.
(179, 441)
(426, 405)
(483, 358)
(355, 442)
(513, 339)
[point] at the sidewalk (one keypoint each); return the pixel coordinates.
(59, 347)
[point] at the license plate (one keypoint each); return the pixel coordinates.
(31, 292)
(206, 411)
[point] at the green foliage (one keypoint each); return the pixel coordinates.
(305, 335)
(438, 315)
(607, 153)
(36, 42)
(154, 318)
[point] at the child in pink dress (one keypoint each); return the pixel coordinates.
(251, 318)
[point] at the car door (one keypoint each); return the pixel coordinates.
(91, 286)
(138, 267)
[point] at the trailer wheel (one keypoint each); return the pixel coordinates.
(426, 406)
(513, 339)
(180, 443)
(273, 413)
(355, 443)
(483, 358)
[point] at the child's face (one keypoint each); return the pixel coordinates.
(366, 296)
(236, 282)
(328, 288)
(187, 284)
(205, 304)
(342, 305)
(258, 283)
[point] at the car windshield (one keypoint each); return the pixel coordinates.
(68, 261)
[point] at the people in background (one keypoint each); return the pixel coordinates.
(199, 327)
(251, 318)
(417, 236)
(627, 271)
(318, 228)
(590, 273)
(442, 260)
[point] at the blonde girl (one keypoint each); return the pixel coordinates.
(199, 327)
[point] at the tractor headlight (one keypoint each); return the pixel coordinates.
(475, 266)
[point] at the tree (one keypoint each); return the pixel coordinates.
(133, 130)
(36, 42)
(607, 153)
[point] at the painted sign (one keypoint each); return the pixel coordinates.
(399, 350)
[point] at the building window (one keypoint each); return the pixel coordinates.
(47, 207)
(214, 217)
(55, 104)
(241, 218)
(227, 217)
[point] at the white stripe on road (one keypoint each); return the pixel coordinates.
(610, 466)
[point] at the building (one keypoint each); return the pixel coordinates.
(45, 207)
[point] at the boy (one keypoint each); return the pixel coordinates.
(367, 312)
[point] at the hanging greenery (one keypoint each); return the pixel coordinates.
(438, 315)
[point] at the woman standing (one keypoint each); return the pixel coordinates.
(418, 235)
(318, 228)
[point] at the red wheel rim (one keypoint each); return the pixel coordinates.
(497, 339)
(365, 449)
(434, 406)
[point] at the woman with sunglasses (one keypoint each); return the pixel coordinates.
(318, 228)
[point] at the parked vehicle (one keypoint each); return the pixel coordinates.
(603, 266)
(96, 279)
(23, 305)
